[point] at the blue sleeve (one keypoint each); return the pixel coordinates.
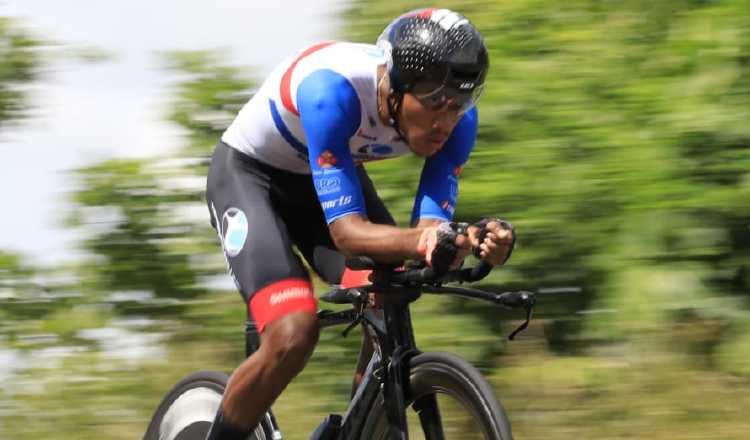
(438, 186)
(329, 110)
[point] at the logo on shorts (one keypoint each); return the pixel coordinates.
(327, 159)
(234, 231)
(288, 295)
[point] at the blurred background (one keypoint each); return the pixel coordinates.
(615, 135)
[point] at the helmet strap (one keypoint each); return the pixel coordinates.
(394, 101)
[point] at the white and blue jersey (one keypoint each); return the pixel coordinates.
(317, 114)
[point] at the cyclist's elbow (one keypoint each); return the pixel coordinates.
(345, 232)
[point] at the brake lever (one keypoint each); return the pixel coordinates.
(518, 299)
(353, 324)
(529, 309)
(360, 317)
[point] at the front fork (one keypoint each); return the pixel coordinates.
(398, 340)
(396, 390)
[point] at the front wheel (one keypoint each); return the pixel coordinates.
(449, 399)
(188, 409)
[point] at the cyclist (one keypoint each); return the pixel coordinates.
(287, 172)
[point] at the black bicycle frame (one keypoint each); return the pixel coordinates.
(388, 370)
(392, 335)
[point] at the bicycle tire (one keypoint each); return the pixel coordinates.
(188, 409)
(436, 372)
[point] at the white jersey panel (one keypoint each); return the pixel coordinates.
(279, 140)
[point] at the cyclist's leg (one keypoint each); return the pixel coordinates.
(272, 281)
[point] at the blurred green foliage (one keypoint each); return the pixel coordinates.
(19, 61)
(614, 135)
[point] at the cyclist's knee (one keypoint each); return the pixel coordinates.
(290, 340)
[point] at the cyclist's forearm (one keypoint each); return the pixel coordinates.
(353, 235)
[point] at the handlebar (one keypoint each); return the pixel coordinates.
(418, 276)
(389, 278)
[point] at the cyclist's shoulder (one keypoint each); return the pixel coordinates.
(354, 62)
(341, 77)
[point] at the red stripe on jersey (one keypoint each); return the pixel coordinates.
(281, 298)
(286, 79)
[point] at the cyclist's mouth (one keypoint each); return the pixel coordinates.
(436, 141)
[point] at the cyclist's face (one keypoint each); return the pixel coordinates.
(427, 128)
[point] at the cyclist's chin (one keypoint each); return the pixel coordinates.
(427, 147)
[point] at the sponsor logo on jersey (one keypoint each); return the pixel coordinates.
(336, 203)
(233, 230)
(361, 134)
(288, 294)
(454, 190)
(327, 159)
(372, 152)
(448, 206)
(327, 185)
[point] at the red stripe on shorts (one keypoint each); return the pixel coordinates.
(281, 298)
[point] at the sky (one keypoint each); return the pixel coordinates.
(85, 112)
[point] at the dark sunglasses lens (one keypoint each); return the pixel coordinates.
(425, 88)
(434, 101)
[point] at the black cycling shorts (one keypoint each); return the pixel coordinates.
(261, 214)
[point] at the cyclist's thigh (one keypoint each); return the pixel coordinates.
(311, 234)
(256, 244)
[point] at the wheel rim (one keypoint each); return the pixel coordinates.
(461, 417)
(196, 405)
(190, 416)
(459, 422)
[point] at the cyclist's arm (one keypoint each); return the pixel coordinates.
(434, 203)
(438, 186)
(355, 235)
(330, 114)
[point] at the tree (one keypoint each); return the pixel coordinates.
(150, 242)
(616, 139)
(19, 63)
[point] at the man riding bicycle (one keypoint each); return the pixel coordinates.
(288, 172)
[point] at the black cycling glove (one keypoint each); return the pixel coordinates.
(482, 225)
(445, 250)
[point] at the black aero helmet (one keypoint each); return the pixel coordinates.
(437, 55)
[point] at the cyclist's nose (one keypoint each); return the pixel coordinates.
(444, 123)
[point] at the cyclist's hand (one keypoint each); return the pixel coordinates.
(493, 240)
(443, 247)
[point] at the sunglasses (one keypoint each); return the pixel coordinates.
(455, 92)
(447, 97)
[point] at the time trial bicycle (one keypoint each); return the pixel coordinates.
(449, 396)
